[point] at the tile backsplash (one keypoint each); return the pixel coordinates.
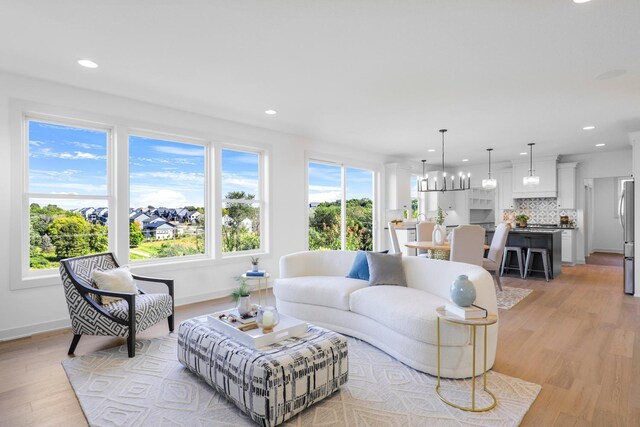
(542, 210)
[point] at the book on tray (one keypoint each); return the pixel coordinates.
(471, 312)
(259, 273)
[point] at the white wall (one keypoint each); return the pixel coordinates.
(38, 309)
(607, 233)
(597, 165)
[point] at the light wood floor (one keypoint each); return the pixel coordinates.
(575, 335)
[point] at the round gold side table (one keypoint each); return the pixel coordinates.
(473, 324)
(260, 280)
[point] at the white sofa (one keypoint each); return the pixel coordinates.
(401, 321)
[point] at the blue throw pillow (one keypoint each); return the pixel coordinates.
(360, 267)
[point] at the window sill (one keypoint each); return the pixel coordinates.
(153, 267)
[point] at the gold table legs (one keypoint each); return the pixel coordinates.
(471, 408)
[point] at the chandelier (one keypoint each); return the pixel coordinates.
(531, 180)
(489, 183)
(463, 181)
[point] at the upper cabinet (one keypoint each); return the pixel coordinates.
(567, 185)
(505, 188)
(545, 168)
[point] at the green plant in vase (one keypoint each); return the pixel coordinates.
(439, 230)
(440, 216)
(242, 296)
(522, 220)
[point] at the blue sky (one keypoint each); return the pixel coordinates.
(70, 160)
(325, 183)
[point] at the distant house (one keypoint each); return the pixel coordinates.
(139, 217)
(195, 216)
(314, 204)
(182, 215)
(159, 229)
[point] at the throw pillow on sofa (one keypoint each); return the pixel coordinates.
(385, 269)
(360, 267)
(117, 279)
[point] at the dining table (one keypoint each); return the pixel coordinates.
(437, 251)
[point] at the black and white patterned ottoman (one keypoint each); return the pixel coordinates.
(270, 384)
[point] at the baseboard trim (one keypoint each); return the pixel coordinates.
(608, 251)
(37, 328)
(56, 325)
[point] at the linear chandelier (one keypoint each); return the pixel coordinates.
(424, 186)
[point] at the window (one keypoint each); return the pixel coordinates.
(166, 198)
(415, 209)
(67, 193)
(340, 219)
(241, 201)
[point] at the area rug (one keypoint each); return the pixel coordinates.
(154, 389)
(509, 297)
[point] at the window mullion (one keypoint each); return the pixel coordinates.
(343, 208)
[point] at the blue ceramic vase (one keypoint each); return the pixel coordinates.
(462, 291)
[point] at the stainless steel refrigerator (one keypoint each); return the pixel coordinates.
(626, 212)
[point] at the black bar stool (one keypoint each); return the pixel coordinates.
(546, 262)
(506, 257)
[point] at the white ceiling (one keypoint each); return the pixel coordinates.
(380, 75)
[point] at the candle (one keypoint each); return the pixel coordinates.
(267, 319)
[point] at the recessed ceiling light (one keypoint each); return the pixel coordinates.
(271, 112)
(431, 150)
(524, 153)
(87, 63)
(581, 1)
(602, 144)
(465, 160)
(588, 127)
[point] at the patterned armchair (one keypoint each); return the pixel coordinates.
(124, 318)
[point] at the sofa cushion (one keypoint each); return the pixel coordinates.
(410, 312)
(385, 269)
(360, 267)
(329, 291)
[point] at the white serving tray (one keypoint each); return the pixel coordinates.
(287, 328)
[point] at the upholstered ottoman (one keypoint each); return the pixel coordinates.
(270, 384)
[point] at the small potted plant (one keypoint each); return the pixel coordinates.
(254, 263)
(243, 297)
(522, 220)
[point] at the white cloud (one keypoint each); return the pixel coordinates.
(163, 197)
(173, 176)
(76, 155)
(67, 188)
(86, 145)
(324, 193)
(180, 151)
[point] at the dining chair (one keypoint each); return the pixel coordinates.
(492, 262)
(467, 244)
(424, 232)
(395, 245)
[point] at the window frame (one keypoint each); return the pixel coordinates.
(26, 195)
(344, 164)
(208, 185)
(118, 184)
(261, 200)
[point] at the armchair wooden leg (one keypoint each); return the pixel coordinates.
(496, 275)
(170, 319)
(74, 343)
(131, 343)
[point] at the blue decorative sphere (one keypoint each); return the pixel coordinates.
(462, 291)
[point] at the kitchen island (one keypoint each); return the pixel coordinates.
(550, 239)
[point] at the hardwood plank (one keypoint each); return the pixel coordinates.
(576, 336)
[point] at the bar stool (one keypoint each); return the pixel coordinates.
(506, 257)
(546, 262)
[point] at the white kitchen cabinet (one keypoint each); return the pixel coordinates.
(568, 246)
(567, 185)
(545, 168)
(445, 200)
(505, 188)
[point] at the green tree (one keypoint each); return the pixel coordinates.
(69, 236)
(135, 234)
(235, 236)
(97, 238)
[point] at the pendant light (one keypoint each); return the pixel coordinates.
(531, 180)
(489, 183)
(464, 181)
(423, 183)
